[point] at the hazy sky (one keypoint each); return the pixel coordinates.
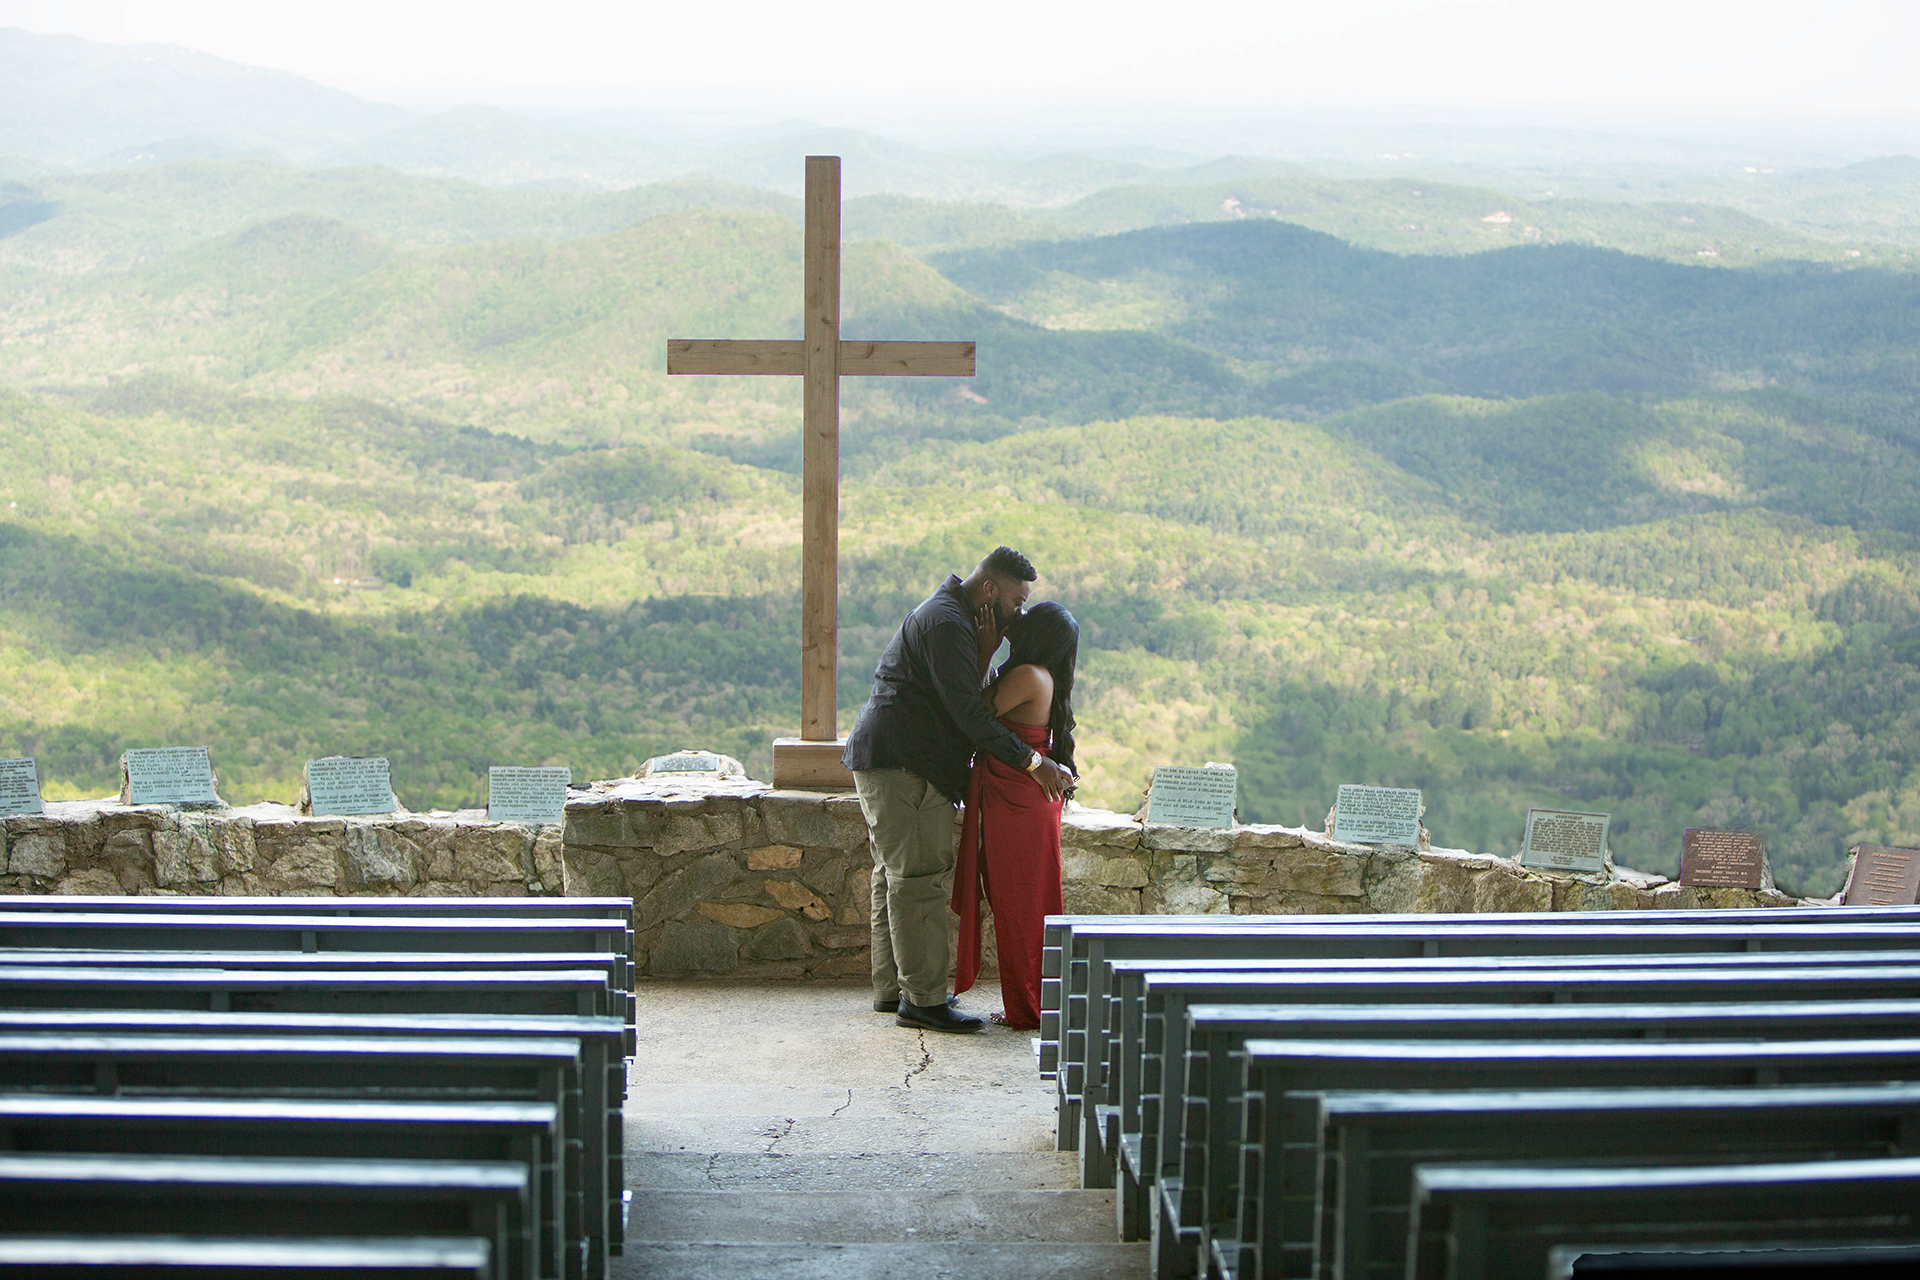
(1734, 58)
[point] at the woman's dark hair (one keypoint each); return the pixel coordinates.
(1047, 636)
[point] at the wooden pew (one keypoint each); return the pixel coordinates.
(1060, 951)
(1707, 1262)
(1207, 1128)
(1276, 1204)
(1118, 1051)
(617, 968)
(529, 908)
(1195, 1075)
(526, 1133)
(1373, 1141)
(597, 1119)
(1433, 937)
(175, 1257)
(581, 992)
(268, 931)
(1505, 1223)
(1166, 1046)
(417, 1068)
(108, 1194)
(455, 969)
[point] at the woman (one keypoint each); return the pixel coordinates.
(1010, 838)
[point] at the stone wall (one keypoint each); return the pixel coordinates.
(105, 847)
(731, 877)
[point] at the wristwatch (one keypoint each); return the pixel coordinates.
(1033, 765)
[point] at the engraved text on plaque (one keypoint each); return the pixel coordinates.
(1377, 815)
(1186, 797)
(1562, 840)
(1723, 859)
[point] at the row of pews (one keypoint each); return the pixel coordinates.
(1358, 1098)
(283, 1087)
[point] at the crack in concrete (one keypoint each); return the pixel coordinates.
(842, 1107)
(786, 1127)
(926, 1060)
(713, 1160)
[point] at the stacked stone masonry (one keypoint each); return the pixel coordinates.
(734, 878)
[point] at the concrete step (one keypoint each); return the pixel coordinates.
(930, 1171)
(1023, 1261)
(873, 1217)
(951, 1130)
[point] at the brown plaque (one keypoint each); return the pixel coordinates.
(1723, 859)
(1883, 877)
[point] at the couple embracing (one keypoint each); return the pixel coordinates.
(941, 727)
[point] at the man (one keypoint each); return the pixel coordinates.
(910, 752)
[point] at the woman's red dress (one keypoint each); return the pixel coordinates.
(1010, 850)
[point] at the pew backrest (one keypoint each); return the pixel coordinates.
(125, 1257)
(1194, 1066)
(530, 908)
(583, 992)
(230, 931)
(1474, 1223)
(1276, 1201)
(1114, 1052)
(109, 1194)
(1373, 1141)
(1084, 995)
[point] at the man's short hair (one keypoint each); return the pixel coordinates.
(1005, 562)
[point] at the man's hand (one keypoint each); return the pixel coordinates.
(1053, 780)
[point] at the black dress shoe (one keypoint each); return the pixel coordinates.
(935, 1017)
(893, 1005)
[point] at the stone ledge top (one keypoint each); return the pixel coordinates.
(267, 811)
(674, 789)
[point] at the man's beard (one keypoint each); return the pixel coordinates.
(1005, 614)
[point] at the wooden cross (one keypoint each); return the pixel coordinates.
(821, 359)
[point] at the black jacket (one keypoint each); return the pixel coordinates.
(926, 712)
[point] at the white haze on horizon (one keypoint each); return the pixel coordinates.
(1642, 66)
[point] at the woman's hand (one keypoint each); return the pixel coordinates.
(986, 631)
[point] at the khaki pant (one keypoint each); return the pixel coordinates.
(911, 823)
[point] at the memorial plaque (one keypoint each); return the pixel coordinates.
(538, 795)
(1723, 859)
(167, 775)
(1186, 797)
(1377, 815)
(1883, 877)
(1565, 840)
(19, 786)
(685, 762)
(343, 786)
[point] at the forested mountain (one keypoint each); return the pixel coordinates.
(1348, 480)
(69, 100)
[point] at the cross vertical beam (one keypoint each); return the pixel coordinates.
(820, 457)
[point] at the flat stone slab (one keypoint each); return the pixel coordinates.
(942, 1172)
(841, 1136)
(873, 1216)
(1022, 1261)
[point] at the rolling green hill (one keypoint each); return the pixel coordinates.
(1546, 524)
(1420, 216)
(1312, 611)
(565, 340)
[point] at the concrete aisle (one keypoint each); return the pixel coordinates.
(788, 1132)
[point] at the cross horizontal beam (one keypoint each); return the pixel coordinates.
(788, 359)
